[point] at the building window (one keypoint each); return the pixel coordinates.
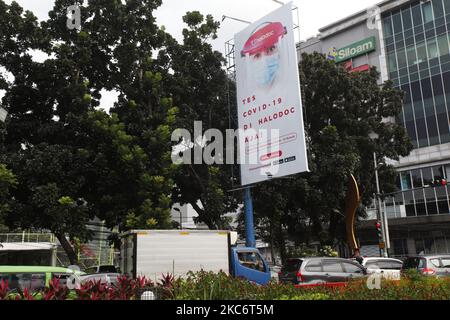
(427, 12)
(411, 55)
(421, 127)
(427, 174)
(405, 180)
(438, 173)
(401, 59)
(421, 53)
(397, 21)
(438, 8)
(407, 21)
(443, 44)
(417, 15)
(447, 7)
(392, 59)
(433, 51)
(416, 179)
(387, 27)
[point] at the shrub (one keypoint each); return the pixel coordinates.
(220, 286)
(4, 290)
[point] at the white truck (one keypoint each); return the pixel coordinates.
(153, 253)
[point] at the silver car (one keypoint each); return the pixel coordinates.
(388, 268)
(109, 279)
(438, 265)
(305, 271)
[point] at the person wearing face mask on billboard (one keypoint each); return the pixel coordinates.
(263, 54)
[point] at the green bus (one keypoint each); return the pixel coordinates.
(34, 278)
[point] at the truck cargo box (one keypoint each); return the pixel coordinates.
(152, 253)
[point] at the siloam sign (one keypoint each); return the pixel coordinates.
(356, 49)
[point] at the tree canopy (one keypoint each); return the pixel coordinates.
(74, 161)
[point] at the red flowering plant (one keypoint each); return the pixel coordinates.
(166, 286)
(26, 294)
(55, 291)
(128, 289)
(4, 289)
(94, 290)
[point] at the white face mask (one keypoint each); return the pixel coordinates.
(265, 69)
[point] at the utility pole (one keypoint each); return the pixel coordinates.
(380, 216)
(249, 223)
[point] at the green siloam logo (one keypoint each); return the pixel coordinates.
(357, 49)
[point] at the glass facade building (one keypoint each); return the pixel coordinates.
(424, 200)
(417, 41)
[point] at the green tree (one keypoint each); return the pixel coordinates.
(199, 87)
(64, 150)
(341, 110)
(7, 182)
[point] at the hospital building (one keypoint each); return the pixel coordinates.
(409, 43)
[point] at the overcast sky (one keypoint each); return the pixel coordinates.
(314, 14)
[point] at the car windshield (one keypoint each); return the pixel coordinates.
(107, 269)
(411, 263)
(292, 265)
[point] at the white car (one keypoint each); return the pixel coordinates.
(389, 268)
(104, 278)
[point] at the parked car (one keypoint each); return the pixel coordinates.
(438, 265)
(311, 271)
(389, 268)
(34, 278)
(101, 269)
(105, 278)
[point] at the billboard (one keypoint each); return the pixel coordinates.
(271, 130)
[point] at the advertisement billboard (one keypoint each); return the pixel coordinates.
(270, 113)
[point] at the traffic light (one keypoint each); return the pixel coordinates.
(439, 183)
(379, 231)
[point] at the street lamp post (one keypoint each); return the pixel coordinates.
(381, 215)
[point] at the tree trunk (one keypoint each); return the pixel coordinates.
(203, 218)
(332, 229)
(272, 244)
(67, 248)
(281, 243)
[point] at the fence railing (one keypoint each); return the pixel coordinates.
(99, 252)
(25, 237)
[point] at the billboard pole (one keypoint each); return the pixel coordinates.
(249, 223)
(250, 240)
